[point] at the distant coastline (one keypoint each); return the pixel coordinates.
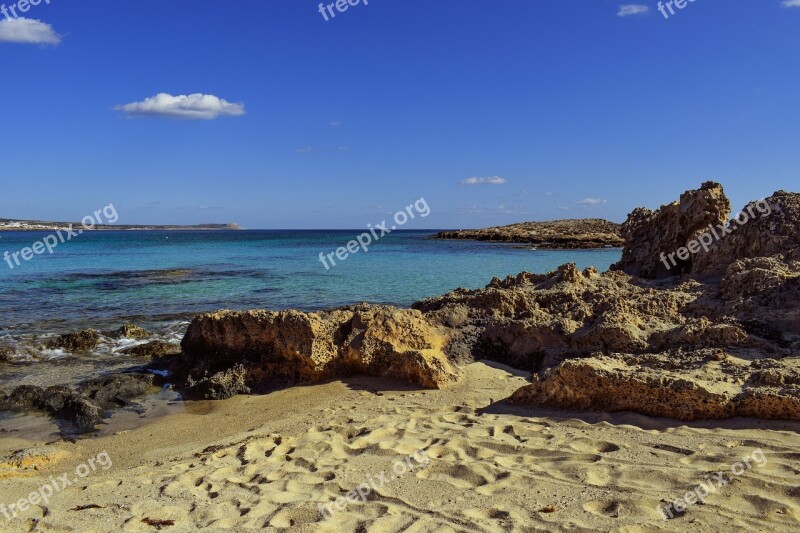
(553, 235)
(7, 224)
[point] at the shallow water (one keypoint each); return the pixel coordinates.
(102, 279)
(159, 280)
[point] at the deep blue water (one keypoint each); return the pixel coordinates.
(105, 279)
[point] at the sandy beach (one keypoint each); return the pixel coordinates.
(255, 462)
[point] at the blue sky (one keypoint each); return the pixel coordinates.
(558, 109)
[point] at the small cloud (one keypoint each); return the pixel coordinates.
(27, 31)
(204, 207)
(564, 208)
(791, 3)
(192, 107)
(590, 201)
(334, 124)
(493, 180)
(626, 10)
(304, 150)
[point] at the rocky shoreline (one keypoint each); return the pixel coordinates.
(573, 234)
(719, 339)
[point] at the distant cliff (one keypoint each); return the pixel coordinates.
(554, 235)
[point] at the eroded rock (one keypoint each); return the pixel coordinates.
(130, 331)
(116, 390)
(152, 350)
(301, 347)
(81, 341)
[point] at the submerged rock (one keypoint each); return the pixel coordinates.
(130, 331)
(152, 350)
(81, 341)
(6, 353)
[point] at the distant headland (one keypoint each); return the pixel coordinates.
(40, 225)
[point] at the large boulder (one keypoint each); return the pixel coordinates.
(297, 347)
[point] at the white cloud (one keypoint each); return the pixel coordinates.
(334, 124)
(304, 150)
(626, 10)
(194, 106)
(791, 3)
(492, 180)
(27, 31)
(590, 201)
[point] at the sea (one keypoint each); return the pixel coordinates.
(161, 279)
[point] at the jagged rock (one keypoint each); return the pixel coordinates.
(649, 234)
(536, 321)
(557, 234)
(311, 347)
(116, 390)
(81, 341)
(130, 331)
(60, 402)
(220, 386)
(152, 350)
(770, 228)
(695, 390)
(6, 353)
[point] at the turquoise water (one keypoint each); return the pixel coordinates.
(105, 279)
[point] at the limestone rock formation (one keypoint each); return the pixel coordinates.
(649, 234)
(688, 386)
(770, 229)
(298, 347)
